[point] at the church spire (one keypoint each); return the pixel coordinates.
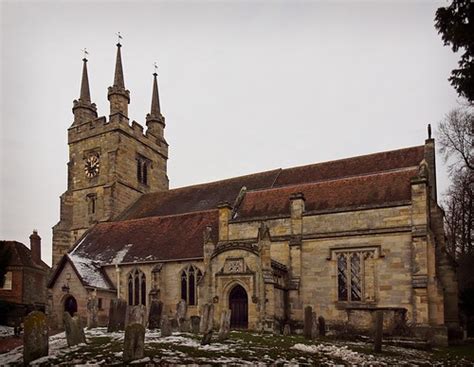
(118, 96)
(155, 120)
(85, 95)
(155, 98)
(118, 79)
(84, 110)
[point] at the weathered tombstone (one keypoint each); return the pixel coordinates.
(165, 326)
(174, 324)
(73, 329)
(208, 324)
(35, 337)
(134, 342)
(308, 322)
(137, 315)
(314, 326)
(185, 326)
(195, 322)
(224, 328)
(321, 326)
(378, 331)
(206, 339)
(117, 315)
(154, 316)
(92, 310)
(286, 330)
(181, 311)
(204, 318)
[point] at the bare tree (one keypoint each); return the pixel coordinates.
(456, 138)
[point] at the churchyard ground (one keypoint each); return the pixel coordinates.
(242, 348)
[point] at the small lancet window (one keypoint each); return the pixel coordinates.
(142, 170)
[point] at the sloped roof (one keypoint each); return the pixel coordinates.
(20, 255)
(207, 196)
(374, 189)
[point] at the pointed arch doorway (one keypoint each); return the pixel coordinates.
(238, 303)
(70, 305)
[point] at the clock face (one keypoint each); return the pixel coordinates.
(91, 167)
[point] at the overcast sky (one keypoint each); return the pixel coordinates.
(245, 86)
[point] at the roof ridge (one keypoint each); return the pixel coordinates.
(160, 216)
(336, 179)
(280, 170)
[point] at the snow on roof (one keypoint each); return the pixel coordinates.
(89, 271)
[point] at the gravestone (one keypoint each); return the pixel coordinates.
(181, 311)
(314, 326)
(321, 326)
(174, 324)
(165, 326)
(206, 339)
(154, 317)
(134, 342)
(137, 315)
(195, 322)
(378, 331)
(73, 329)
(92, 311)
(185, 326)
(224, 328)
(117, 315)
(308, 322)
(35, 337)
(204, 318)
(286, 330)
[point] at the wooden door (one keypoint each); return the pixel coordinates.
(238, 303)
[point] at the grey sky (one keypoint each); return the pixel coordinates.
(245, 86)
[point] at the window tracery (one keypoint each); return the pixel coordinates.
(190, 277)
(136, 288)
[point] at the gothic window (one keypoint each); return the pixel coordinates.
(136, 288)
(142, 170)
(355, 273)
(190, 276)
(6, 282)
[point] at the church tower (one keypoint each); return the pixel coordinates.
(111, 162)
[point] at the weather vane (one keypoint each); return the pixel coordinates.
(155, 65)
(119, 37)
(84, 50)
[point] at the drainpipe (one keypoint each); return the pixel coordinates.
(117, 270)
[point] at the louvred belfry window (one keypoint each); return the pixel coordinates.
(190, 277)
(136, 288)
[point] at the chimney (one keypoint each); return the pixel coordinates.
(35, 246)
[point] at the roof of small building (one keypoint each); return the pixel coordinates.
(20, 255)
(169, 225)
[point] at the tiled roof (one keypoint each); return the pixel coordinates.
(207, 196)
(20, 255)
(147, 239)
(375, 189)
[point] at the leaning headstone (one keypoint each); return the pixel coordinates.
(117, 315)
(73, 329)
(321, 326)
(314, 326)
(224, 328)
(286, 330)
(378, 331)
(165, 326)
(154, 316)
(137, 315)
(174, 324)
(206, 339)
(195, 322)
(134, 342)
(210, 317)
(92, 310)
(35, 337)
(308, 322)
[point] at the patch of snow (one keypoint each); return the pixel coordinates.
(334, 351)
(89, 271)
(143, 360)
(6, 330)
(121, 254)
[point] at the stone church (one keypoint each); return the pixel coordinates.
(346, 237)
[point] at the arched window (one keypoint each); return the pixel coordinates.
(190, 276)
(136, 288)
